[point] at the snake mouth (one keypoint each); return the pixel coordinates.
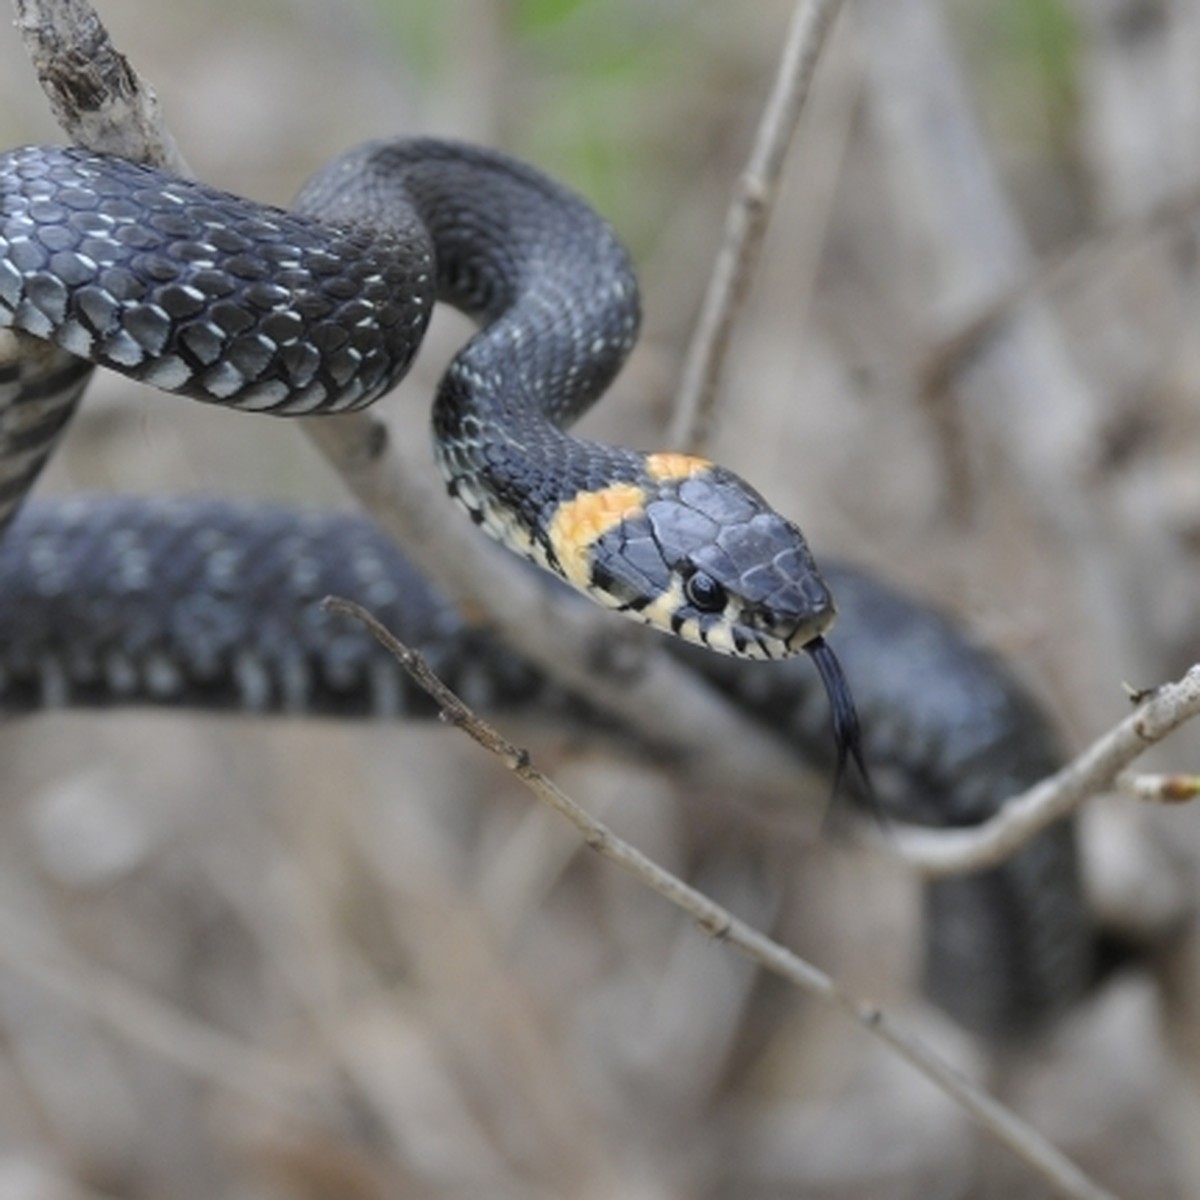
(807, 632)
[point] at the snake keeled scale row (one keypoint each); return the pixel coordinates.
(321, 309)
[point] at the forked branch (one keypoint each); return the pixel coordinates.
(720, 924)
(1098, 769)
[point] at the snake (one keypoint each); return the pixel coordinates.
(320, 309)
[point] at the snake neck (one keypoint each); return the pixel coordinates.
(512, 470)
(546, 278)
(556, 299)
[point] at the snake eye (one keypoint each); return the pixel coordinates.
(704, 592)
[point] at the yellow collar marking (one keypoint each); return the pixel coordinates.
(578, 522)
(669, 464)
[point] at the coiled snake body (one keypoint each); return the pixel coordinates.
(322, 309)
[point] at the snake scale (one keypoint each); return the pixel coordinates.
(210, 604)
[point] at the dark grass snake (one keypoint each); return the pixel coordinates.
(203, 603)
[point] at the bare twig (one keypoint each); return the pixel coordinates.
(720, 924)
(1161, 789)
(94, 93)
(956, 851)
(746, 223)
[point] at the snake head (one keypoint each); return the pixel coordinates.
(699, 553)
(693, 549)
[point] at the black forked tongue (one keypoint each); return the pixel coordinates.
(847, 735)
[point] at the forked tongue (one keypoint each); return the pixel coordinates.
(847, 734)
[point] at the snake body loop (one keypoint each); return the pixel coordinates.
(321, 309)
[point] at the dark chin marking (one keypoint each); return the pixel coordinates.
(602, 578)
(636, 605)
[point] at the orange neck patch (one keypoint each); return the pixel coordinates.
(578, 522)
(669, 464)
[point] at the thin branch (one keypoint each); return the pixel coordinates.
(1161, 789)
(94, 93)
(721, 925)
(746, 222)
(675, 711)
(956, 851)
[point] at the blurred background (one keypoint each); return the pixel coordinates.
(248, 958)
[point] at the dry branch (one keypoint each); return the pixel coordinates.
(94, 93)
(1161, 789)
(746, 223)
(720, 924)
(957, 851)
